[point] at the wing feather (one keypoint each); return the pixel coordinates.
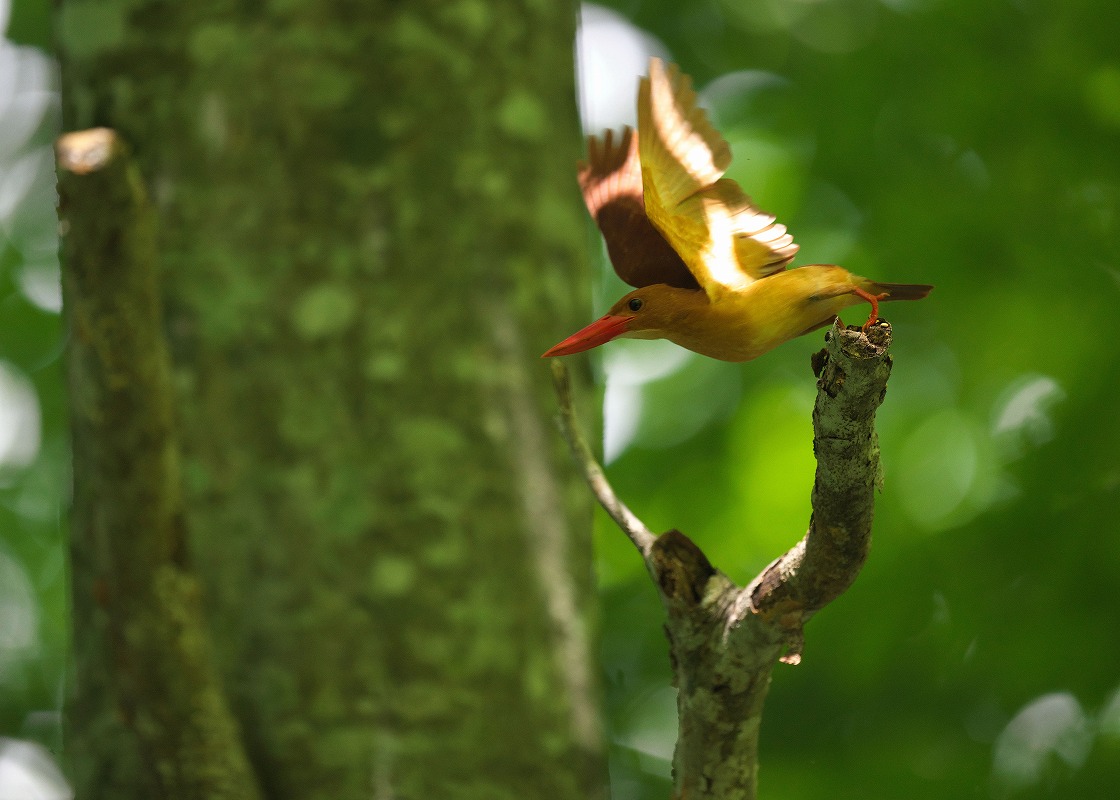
(724, 239)
(611, 181)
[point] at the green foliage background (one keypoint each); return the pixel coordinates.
(972, 145)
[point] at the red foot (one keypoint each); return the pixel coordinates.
(873, 299)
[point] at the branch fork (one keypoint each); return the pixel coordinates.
(725, 639)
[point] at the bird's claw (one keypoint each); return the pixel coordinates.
(873, 299)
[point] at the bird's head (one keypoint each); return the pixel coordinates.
(652, 312)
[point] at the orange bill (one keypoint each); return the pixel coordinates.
(598, 332)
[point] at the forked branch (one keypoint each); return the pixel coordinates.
(725, 639)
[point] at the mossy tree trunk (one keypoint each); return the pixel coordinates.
(366, 228)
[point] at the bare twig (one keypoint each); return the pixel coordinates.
(633, 527)
(725, 640)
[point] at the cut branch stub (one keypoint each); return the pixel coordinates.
(680, 568)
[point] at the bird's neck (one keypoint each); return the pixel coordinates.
(720, 330)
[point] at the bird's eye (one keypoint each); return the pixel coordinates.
(635, 304)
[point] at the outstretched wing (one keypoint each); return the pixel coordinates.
(722, 237)
(611, 180)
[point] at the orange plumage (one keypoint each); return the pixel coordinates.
(709, 267)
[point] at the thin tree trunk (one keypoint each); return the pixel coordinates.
(366, 229)
(143, 653)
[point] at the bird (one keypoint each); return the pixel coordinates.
(708, 266)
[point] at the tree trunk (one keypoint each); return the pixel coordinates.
(366, 228)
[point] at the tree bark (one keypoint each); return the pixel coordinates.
(362, 216)
(725, 639)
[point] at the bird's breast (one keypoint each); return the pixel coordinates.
(742, 325)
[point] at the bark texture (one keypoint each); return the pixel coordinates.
(361, 211)
(725, 639)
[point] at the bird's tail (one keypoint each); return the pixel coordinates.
(898, 291)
